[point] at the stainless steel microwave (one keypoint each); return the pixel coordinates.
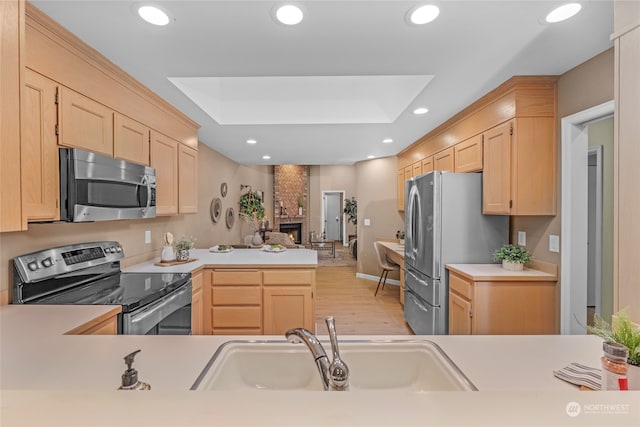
(94, 187)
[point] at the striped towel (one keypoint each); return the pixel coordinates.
(578, 374)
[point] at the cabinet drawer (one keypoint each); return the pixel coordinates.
(233, 295)
(239, 331)
(236, 317)
(289, 277)
(228, 277)
(460, 285)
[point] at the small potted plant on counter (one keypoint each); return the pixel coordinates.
(512, 257)
(400, 236)
(623, 331)
(182, 248)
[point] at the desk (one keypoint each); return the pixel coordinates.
(324, 245)
(395, 253)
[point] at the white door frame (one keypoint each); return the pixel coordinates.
(597, 152)
(344, 216)
(573, 242)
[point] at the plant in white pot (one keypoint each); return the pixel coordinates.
(623, 331)
(182, 248)
(512, 257)
(252, 211)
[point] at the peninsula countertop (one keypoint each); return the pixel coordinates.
(495, 273)
(245, 258)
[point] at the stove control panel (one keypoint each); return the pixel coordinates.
(65, 259)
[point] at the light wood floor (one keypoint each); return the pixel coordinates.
(352, 303)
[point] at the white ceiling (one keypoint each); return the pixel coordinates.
(354, 70)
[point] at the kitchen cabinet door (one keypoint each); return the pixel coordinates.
(416, 169)
(287, 307)
(131, 140)
(40, 190)
(197, 304)
(187, 179)
(496, 176)
(468, 155)
(400, 192)
(427, 164)
(164, 157)
(12, 27)
(459, 315)
(443, 161)
(85, 123)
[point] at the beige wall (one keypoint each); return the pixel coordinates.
(329, 178)
(601, 133)
(376, 192)
(213, 169)
(580, 88)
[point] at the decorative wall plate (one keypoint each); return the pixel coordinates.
(230, 218)
(223, 189)
(215, 209)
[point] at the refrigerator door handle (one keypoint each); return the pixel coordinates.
(413, 232)
(415, 300)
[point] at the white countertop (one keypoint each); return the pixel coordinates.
(74, 378)
(489, 272)
(245, 258)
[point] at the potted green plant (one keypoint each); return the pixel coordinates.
(252, 211)
(623, 331)
(182, 248)
(351, 209)
(512, 257)
(400, 236)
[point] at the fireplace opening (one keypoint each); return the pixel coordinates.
(294, 230)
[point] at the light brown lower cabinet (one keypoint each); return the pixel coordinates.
(501, 307)
(197, 303)
(108, 326)
(260, 301)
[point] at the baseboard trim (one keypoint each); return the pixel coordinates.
(376, 278)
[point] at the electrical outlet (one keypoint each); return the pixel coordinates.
(554, 243)
(367, 222)
(522, 238)
(147, 236)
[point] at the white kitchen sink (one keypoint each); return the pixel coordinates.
(412, 366)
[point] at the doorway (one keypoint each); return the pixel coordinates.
(333, 218)
(574, 223)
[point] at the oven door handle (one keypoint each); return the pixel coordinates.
(177, 299)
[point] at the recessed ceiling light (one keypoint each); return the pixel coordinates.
(266, 157)
(563, 12)
(251, 141)
(421, 110)
(423, 14)
(371, 156)
(153, 15)
(387, 141)
(289, 14)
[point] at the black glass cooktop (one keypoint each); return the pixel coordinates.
(130, 290)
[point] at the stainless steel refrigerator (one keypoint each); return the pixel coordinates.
(444, 224)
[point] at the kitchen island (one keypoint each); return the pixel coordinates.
(49, 378)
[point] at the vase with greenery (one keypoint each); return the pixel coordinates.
(623, 331)
(252, 211)
(300, 203)
(512, 257)
(182, 248)
(351, 209)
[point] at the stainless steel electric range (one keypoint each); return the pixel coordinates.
(89, 273)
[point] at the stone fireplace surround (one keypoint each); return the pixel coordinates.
(289, 182)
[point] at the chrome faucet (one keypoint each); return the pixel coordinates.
(335, 375)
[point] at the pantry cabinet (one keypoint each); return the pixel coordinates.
(39, 157)
(131, 140)
(197, 303)
(520, 168)
(85, 123)
(164, 157)
(485, 299)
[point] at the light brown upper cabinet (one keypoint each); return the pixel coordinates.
(85, 123)
(427, 164)
(187, 179)
(40, 190)
(468, 155)
(400, 188)
(416, 168)
(131, 140)
(520, 168)
(164, 157)
(443, 161)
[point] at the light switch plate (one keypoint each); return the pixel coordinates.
(522, 238)
(367, 222)
(147, 236)
(554, 243)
